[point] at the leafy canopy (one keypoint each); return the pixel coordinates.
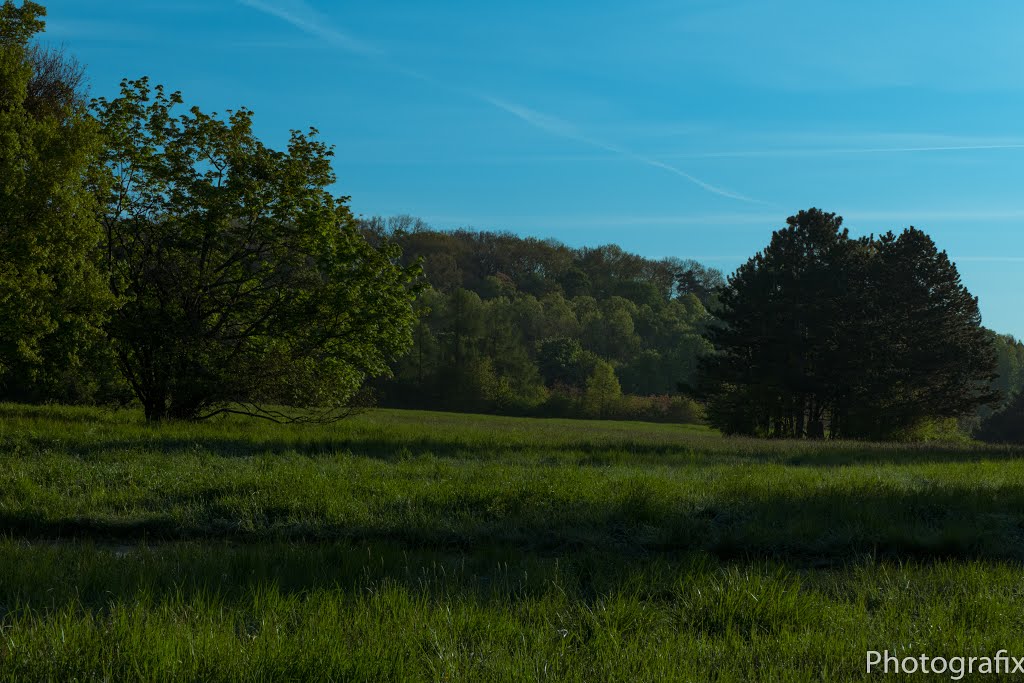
(241, 279)
(52, 299)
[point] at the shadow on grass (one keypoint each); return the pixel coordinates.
(825, 527)
(84, 575)
(699, 451)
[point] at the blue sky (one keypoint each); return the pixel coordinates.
(682, 128)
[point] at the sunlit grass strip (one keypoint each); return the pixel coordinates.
(188, 612)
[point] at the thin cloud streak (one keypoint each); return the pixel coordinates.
(566, 130)
(884, 220)
(617, 156)
(306, 19)
(838, 151)
(606, 221)
(312, 24)
(939, 215)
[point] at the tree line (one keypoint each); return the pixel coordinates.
(819, 335)
(526, 326)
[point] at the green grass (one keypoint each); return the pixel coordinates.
(429, 546)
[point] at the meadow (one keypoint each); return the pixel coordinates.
(401, 545)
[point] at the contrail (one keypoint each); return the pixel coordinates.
(555, 126)
(840, 150)
(309, 22)
(306, 19)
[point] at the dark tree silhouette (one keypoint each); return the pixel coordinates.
(821, 334)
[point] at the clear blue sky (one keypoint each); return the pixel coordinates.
(672, 128)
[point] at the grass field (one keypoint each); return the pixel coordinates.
(427, 546)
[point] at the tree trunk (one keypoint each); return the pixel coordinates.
(155, 409)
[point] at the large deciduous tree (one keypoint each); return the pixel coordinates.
(241, 280)
(821, 333)
(52, 298)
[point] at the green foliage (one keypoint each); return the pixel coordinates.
(1009, 366)
(18, 25)
(1007, 425)
(945, 430)
(609, 330)
(603, 391)
(503, 392)
(240, 278)
(697, 280)
(562, 361)
(487, 355)
(52, 299)
(658, 408)
(811, 338)
(517, 325)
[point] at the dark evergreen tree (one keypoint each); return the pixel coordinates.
(780, 323)
(822, 334)
(922, 347)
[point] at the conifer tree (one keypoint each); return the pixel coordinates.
(821, 334)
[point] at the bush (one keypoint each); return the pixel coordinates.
(569, 402)
(663, 408)
(933, 429)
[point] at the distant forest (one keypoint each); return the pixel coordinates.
(520, 325)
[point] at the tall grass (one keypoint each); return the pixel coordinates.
(285, 612)
(432, 480)
(427, 546)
